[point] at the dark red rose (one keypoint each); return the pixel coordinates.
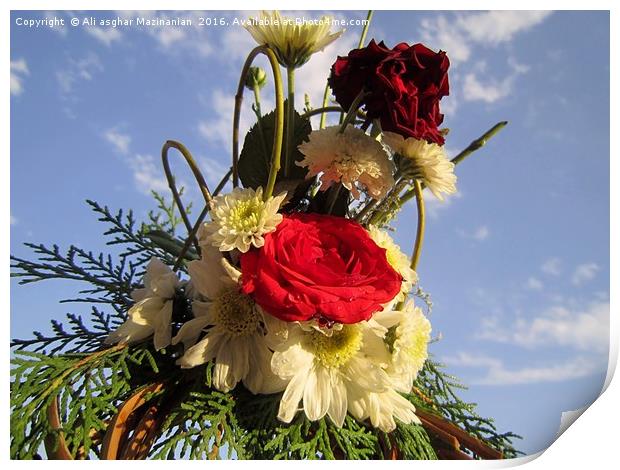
(319, 266)
(404, 87)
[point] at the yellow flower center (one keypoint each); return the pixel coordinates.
(236, 313)
(245, 215)
(335, 350)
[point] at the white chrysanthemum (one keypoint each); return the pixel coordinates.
(397, 259)
(408, 333)
(152, 313)
(240, 218)
(334, 370)
(428, 161)
(352, 158)
(292, 43)
(235, 329)
(382, 408)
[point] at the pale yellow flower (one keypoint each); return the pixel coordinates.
(292, 41)
(235, 329)
(428, 163)
(152, 313)
(240, 218)
(351, 158)
(408, 333)
(397, 259)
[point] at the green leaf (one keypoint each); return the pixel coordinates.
(255, 158)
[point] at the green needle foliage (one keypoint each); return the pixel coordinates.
(89, 381)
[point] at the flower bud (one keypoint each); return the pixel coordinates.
(255, 77)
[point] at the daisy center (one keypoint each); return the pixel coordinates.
(244, 217)
(236, 313)
(337, 349)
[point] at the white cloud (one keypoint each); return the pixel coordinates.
(534, 284)
(146, 174)
(434, 206)
(489, 92)
(213, 170)
(19, 70)
(498, 374)
(14, 220)
(480, 234)
(458, 36)
(552, 266)
(495, 27)
(218, 128)
(584, 273)
(78, 70)
(60, 29)
(586, 330)
(119, 141)
(106, 36)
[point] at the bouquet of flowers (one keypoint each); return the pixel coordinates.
(287, 323)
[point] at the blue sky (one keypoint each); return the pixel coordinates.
(517, 263)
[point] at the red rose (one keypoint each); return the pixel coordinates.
(319, 266)
(404, 86)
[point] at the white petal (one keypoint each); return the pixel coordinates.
(317, 395)
(289, 404)
(338, 405)
(163, 328)
(201, 352)
(287, 363)
(223, 379)
(190, 332)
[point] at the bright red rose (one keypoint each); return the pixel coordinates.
(319, 266)
(404, 87)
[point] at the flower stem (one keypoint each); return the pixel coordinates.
(352, 111)
(365, 30)
(276, 150)
(333, 197)
(324, 107)
(419, 235)
(290, 119)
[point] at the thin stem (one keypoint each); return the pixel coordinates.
(335, 192)
(239, 100)
(290, 76)
(191, 238)
(222, 182)
(364, 212)
(365, 30)
(323, 110)
(352, 111)
(324, 107)
(419, 235)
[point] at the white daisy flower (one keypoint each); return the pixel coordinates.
(397, 259)
(325, 370)
(152, 313)
(382, 408)
(407, 334)
(352, 158)
(292, 43)
(240, 218)
(235, 329)
(428, 162)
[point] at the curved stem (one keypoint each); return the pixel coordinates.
(290, 118)
(222, 182)
(277, 138)
(323, 110)
(419, 235)
(173, 188)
